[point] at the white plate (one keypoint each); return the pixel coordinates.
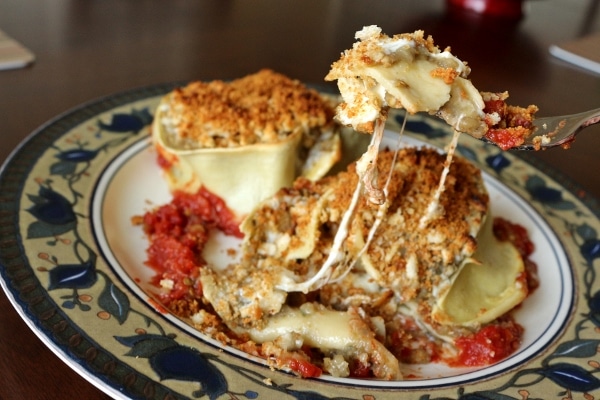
(76, 183)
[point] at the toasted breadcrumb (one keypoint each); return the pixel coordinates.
(264, 107)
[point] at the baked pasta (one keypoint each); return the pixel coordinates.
(394, 260)
(244, 139)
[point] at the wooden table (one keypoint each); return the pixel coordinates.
(90, 49)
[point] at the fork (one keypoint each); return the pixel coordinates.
(557, 131)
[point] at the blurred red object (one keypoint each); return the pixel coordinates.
(512, 9)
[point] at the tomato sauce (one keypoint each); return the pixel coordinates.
(303, 368)
(513, 128)
(490, 344)
(178, 232)
(163, 162)
(360, 370)
(506, 138)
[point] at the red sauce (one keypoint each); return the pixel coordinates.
(495, 106)
(163, 162)
(513, 127)
(304, 368)
(360, 370)
(490, 344)
(177, 234)
(172, 260)
(505, 138)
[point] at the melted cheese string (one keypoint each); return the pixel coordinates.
(433, 208)
(366, 169)
(366, 166)
(335, 255)
(367, 174)
(381, 211)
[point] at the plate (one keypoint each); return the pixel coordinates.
(71, 263)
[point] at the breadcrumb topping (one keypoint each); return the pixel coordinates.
(265, 107)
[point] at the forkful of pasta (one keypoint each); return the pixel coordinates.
(409, 71)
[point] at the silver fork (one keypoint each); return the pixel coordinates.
(558, 131)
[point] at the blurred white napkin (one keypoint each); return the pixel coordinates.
(584, 52)
(13, 54)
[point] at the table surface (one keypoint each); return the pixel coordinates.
(86, 50)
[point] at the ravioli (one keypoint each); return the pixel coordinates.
(405, 71)
(347, 334)
(487, 286)
(243, 140)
